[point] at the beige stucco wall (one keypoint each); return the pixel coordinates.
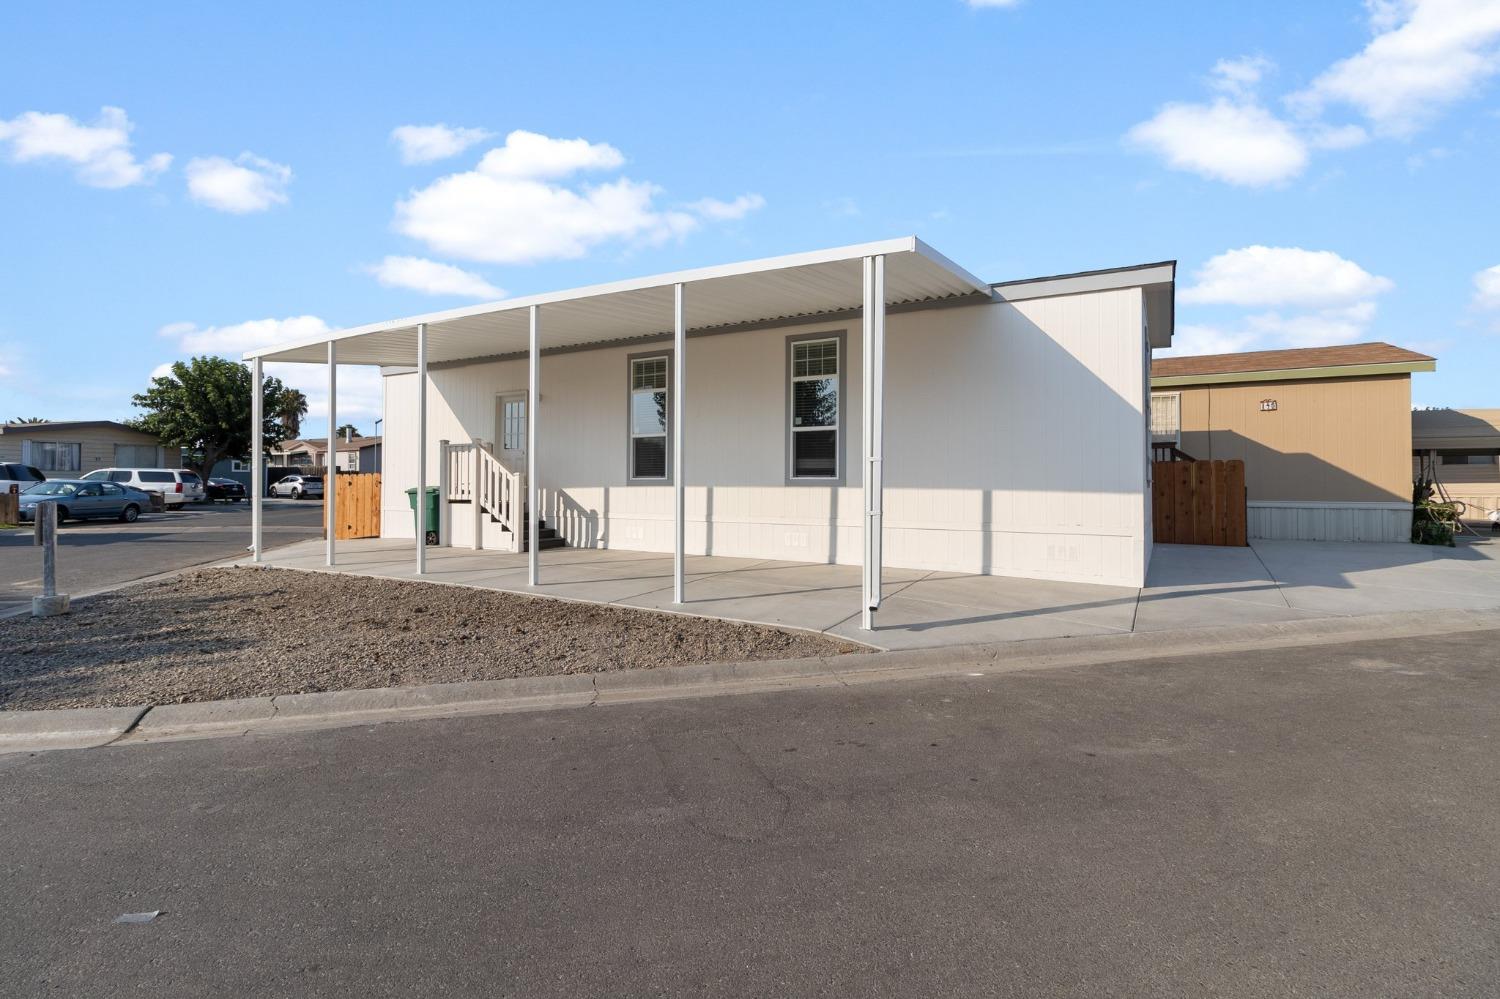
(97, 444)
(1016, 443)
(1344, 440)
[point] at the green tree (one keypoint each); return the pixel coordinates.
(24, 421)
(290, 408)
(204, 407)
(348, 432)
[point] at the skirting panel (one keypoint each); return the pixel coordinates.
(1278, 521)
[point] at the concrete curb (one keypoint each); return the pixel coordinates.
(33, 731)
(66, 728)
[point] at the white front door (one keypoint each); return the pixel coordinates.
(510, 429)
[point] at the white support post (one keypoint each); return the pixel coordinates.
(445, 487)
(873, 407)
(677, 400)
(421, 512)
(477, 491)
(533, 410)
(257, 457)
(330, 477)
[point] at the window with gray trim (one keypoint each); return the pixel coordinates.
(816, 409)
(649, 416)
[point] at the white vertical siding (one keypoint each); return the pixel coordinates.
(1016, 443)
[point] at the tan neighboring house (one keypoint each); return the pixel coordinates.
(1460, 448)
(1325, 434)
(362, 454)
(66, 449)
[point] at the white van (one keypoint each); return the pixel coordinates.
(177, 486)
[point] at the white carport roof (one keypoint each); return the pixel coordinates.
(756, 291)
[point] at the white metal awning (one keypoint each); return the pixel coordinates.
(756, 291)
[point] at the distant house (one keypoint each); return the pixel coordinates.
(1325, 433)
(1460, 449)
(72, 448)
(361, 454)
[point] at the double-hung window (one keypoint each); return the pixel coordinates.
(1166, 418)
(54, 456)
(648, 417)
(816, 407)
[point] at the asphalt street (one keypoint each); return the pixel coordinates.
(99, 553)
(1321, 822)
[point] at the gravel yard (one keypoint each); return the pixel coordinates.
(242, 632)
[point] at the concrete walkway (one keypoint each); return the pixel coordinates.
(1188, 587)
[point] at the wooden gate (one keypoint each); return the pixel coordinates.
(357, 496)
(1198, 502)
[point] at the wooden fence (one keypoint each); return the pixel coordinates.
(1198, 502)
(10, 507)
(357, 496)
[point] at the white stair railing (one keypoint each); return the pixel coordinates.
(500, 491)
(458, 472)
(472, 474)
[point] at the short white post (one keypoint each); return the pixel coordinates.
(533, 410)
(421, 512)
(676, 402)
(445, 488)
(330, 477)
(257, 456)
(50, 603)
(477, 491)
(873, 410)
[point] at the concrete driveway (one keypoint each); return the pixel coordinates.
(1188, 587)
(1289, 822)
(97, 554)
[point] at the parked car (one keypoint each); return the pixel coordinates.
(228, 490)
(78, 499)
(177, 486)
(23, 477)
(298, 486)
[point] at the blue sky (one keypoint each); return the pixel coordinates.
(181, 178)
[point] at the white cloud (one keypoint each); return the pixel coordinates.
(1321, 328)
(529, 156)
(432, 278)
(246, 184)
(1268, 276)
(100, 153)
(1424, 56)
(516, 206)
(1191, 338)
(1304, 298)
(1241, 76)
(233, 340)
(429, 143)
(1487, 288)
(1233, 140)
(727, 211)
(360, 387)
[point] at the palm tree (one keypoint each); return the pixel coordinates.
(348, 432)
(25, 420)
(291, 407)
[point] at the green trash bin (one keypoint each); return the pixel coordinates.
(432, 511)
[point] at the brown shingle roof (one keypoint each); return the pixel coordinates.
(1281, 360)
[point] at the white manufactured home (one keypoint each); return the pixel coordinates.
(872, 405)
